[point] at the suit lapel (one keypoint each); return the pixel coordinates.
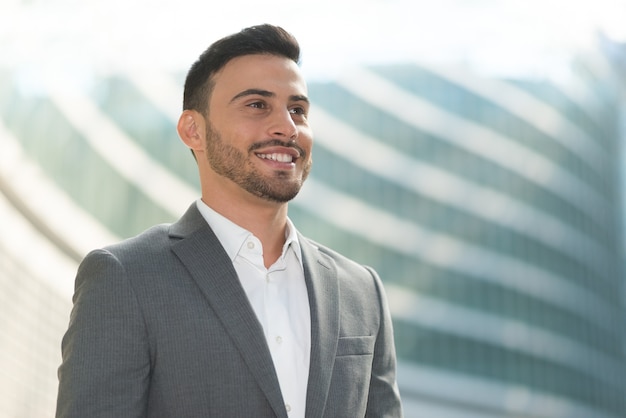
(322, 285)
(212, 269)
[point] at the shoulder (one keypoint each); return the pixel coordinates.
(145, 248)
(335, 256)
(347, 269)
(154, 239)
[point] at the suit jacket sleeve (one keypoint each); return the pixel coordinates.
(384, 397)
(106, 361)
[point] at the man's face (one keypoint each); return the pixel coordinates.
(257, 133)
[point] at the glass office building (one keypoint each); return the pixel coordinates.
(491, 209)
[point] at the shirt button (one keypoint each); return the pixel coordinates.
(288, 407)
(279, 339)
(250, 245)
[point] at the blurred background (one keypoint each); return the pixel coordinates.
(471, 151)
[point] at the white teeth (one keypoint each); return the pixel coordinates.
(282, 158)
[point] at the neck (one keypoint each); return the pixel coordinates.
(266, 220)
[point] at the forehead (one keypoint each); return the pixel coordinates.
(272, 73)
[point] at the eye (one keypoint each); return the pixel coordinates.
(257, 105)
(298, 111)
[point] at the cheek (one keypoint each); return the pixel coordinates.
(238, 136)
(305, 139)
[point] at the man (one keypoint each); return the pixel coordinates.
(230, 312)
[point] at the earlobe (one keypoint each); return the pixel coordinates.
(191, 129)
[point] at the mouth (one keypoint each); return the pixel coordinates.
(278, 157)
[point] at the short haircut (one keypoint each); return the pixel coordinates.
(262, 39)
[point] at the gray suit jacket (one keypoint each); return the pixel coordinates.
(161, 327)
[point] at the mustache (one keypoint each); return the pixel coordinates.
(277, 143)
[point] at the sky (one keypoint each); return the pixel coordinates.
(497, 36)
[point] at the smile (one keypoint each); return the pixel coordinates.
(281, 158)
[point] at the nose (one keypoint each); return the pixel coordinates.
(283, 126)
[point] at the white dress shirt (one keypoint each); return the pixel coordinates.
(279, 298)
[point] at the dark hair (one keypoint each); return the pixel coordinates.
(262, 39)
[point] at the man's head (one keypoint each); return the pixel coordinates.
(246, 116)
(262, 39)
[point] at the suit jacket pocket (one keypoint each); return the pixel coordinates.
(352, 373)
(355, 346)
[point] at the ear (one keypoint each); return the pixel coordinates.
(191, 130)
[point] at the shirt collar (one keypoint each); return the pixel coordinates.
(233, 237)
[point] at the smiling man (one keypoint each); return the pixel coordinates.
(230, 311)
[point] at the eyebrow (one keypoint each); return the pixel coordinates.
(266, 93)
